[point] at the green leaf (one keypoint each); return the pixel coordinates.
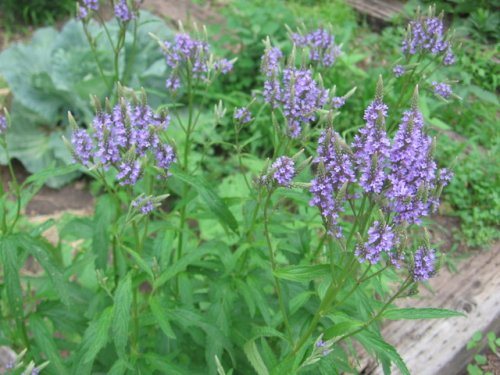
(253, 356)
(11, 266)
(119, 368)
(45, 342)
(302, 273)
(121, 314)
(480, 359)
(210, 197)
(375, 343)
(95, 338)
(484, 95)
(341, 329)
(183, 263)
(41, 251)
(424, 313)
(161, 317)
(140, 262)
(103, 218)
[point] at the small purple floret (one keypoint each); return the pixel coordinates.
(284, 170)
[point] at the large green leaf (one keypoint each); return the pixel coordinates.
(121, 314)
(303, 273)
(94, 339)
(424, 313)
(210, 197)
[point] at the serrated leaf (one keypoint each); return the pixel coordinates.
(423, 313)
(253, 356)
(302, 273)
(210, 197)
(161, 317)
(95, 338)
(44, 340)
(375, 343)
(341, 329)
(40, 250)
(121, 314)
(11, 266)
(140, 262)
(103, 218)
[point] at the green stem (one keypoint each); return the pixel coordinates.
(273, 265)
(187, 146)
(403, 287)
(96, 58)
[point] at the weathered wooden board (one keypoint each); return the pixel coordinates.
(383, 10)
(438, 346)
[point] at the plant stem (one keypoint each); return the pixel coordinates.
(273, 265)
(185, 163)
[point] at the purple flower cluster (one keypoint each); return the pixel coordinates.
(3, 124)
(144, 204)
(424, 264)
(426, 35)
(302, 96)
(399, 70)
(122, 11)
(124, 138)
(381, 239)
(336, 167)
(242, 115)
(193, 54)
(413, 170)
(271, 61)
(283, 170)
(86, 7)
(338, 102)
(442, 89)
(372, 148)
(321, 45)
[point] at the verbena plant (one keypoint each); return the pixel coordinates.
(198, 260)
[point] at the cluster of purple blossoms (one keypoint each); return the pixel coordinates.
(122, 11)
(442, 89)
(398, 71)
(242, 115)
(424, 264)
(381, 239)
(86, 7)
(3, 124)
(338, 102)
(335, 168)
(188, 52)
(283, 171)
(124, 138)
(301, 97)
(372, 148)
(144, 204)
(271, 68)
(413, 171)
(426, 35)
(321, 45)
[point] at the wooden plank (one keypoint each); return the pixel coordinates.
(438, 346)
(384, 10)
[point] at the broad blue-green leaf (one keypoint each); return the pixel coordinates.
(95, 338)
(121, 314)
(210, 197)
(303, 273)
(423, 313)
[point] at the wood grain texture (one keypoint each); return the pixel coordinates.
(438, 346)
(380, 9)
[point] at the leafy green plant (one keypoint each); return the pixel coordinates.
(187, 267)
(477, 339)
